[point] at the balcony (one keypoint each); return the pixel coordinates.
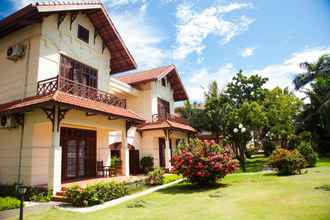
(58, 83)
(170, 117)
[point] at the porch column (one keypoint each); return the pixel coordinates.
(55, 156)
(167, 150)
(126, 154)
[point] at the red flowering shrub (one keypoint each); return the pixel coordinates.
(203, 162)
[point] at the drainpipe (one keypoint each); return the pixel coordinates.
(20, 152)
(27, 68)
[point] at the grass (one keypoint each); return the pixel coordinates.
(240, 196)
(9, 203)
(256, 163)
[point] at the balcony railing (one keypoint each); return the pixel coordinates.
(170, 117)
(58, 83)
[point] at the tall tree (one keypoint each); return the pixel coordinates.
(245, 89)
(194, 114)
(316, 117)
(216, 109)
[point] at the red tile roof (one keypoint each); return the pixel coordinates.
(121, 59)
(146, 75)
(166, 124)
(141, 77)
(70, 100)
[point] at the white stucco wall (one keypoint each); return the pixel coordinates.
(18, 78)
(165, 93)
(37, 142)
(64, 41)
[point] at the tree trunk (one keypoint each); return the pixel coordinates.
(242, 157)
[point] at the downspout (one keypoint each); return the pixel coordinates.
(20, 152)
(27, 69)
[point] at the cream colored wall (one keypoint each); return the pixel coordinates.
(141, 104)
(19, 79)
(165, 93)
(64, 41)
(37, 142)
(101, 124)
(150, 143)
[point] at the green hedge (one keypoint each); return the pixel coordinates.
(171, 178)
(37, 194)
(95, 194)
(156, 177)
(287, 162)
(9, 203)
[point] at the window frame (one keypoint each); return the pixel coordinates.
(80, 35)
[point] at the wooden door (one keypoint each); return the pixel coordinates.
(162, 152)
(78, 153)
(134, 162)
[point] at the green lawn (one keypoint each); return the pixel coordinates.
(240, 196)
(256, 163)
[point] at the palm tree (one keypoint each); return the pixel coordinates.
(320, 94)
(315, 116)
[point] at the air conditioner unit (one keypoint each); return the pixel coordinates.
(7, 122)
(16, 52)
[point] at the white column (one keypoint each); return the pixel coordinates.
(55, 157)
(126, 154)
(167, 151)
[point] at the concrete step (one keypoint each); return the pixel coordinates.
(60, 193)
(59, 198)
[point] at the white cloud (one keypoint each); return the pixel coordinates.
(201, 79)
(283, 73)
(142, 40)
(280, 74)
(21, 3)
(247, 52)
(195, 26)
(121, 3)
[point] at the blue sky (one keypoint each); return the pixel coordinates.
(211, 40)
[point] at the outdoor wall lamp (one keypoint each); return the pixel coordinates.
(21, 189)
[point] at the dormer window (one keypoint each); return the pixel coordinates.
(83, 34)
(164, 82)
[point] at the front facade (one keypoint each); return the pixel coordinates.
(62, 111)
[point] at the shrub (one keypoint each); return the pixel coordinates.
(156, 177)
(147, 164)
(9, 203)
(308, 153)
(268, 147)
(95, 194)
(171, 178)
(287, 162)
(203, 163)
(37, 194)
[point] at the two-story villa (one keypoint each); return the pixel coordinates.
(63, 110)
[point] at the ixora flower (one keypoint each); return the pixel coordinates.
(235, 130)
(240, 126)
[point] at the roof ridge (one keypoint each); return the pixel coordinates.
(143, 71)
(65, 2)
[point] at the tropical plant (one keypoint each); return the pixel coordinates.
(95, 193)
(147, 163)
(282, 108)
(156, 177)
(305, 148)
(315, 116)
(203, 163)
(287, 162)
